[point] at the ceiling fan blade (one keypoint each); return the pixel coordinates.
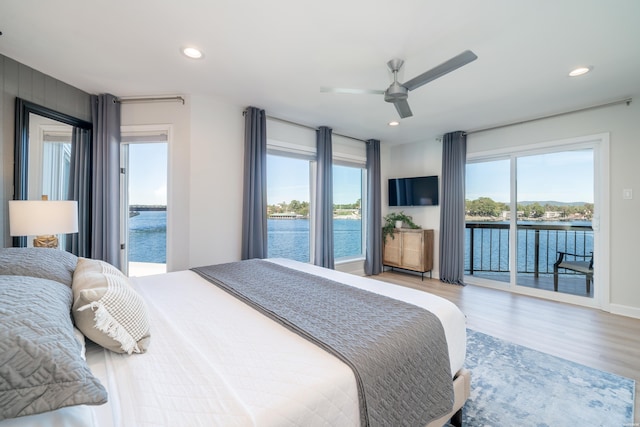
(351, 91)
(403, 108)
(446, 67)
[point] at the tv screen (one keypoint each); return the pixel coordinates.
(418, 191)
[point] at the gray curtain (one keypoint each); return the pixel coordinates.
(373, 256)
(254, 212)
(323, 248)
(452, 208)
(80, 179)
(105, 235)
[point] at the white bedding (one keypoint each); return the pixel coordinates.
(215, 361)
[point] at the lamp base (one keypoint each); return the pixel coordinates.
(45, 242)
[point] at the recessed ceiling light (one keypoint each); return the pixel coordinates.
(579, 71)
(192, 52)
(394, 123)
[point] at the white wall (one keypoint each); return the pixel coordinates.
(215, 181)
(409, 160)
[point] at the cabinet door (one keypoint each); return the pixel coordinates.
(412, 249)
(391, 254)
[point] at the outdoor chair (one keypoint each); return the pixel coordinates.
(579, 263)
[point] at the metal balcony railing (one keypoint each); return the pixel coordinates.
(487, 246)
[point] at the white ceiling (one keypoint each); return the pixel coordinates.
(276, 55)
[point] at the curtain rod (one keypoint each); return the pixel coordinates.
(592, 107)
(151, 99)
(307, 127)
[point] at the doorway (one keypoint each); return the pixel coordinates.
(143, 159)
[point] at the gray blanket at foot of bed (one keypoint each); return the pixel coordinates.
(397, 351)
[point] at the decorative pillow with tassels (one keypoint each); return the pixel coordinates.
(107, 309)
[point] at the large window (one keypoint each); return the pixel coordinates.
(291, 181)
(348, 236)
(290, 209)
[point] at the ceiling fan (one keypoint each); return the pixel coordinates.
(398, 92)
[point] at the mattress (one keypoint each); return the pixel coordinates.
(215, 361)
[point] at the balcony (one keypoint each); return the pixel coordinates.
(487, 248)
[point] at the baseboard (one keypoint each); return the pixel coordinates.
(625, 310)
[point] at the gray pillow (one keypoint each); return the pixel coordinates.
(41, 367)
(52, 264)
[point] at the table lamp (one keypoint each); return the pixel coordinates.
(43, 219)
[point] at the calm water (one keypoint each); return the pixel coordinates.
(148, 237)
(287, 238)
(290, 238)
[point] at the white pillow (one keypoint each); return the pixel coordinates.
(107, 309)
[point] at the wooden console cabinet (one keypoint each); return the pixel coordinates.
(409, 250)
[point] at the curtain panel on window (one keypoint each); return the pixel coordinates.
(105, 235)
(452, 209)
(373, 256)
(80, 183)
(323, 247)
(254, 212)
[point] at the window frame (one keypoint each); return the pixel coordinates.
(345, 153)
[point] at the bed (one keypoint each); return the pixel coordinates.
(208, 358)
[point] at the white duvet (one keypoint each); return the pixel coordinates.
(214, 361)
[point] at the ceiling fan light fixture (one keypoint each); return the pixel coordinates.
(579, 71)
(397, 93)
(192, 52)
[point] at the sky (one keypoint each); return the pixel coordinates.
(288, 179)
(148, 174)
(561, 177)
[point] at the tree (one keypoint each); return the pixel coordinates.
(484, 206)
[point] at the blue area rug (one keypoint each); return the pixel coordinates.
(513, 385)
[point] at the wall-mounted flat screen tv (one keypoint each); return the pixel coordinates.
(417, 191)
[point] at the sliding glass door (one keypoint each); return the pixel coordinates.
(533, 220)
(487, 220)
(555, 195)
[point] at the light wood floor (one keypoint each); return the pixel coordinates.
(584, 335)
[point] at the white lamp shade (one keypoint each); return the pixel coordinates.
(42, 217)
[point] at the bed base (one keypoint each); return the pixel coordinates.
(461, 391)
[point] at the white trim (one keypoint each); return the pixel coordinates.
(538, 293)
(601, 224)
(624, 310)
(285, 148)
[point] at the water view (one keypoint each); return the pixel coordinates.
(536, 240)
(148, 236)
(289, 238)
(286, 238)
